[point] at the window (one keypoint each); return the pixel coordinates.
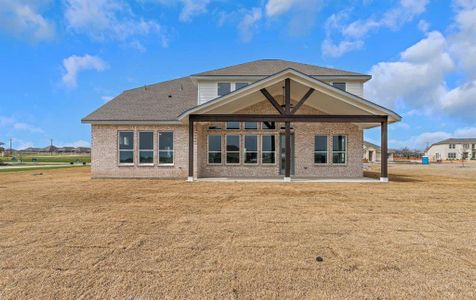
(474, 146)
(268, 149)
(251, 149)
(233, 125)
(339, 85)
(214, 149)
(232, 149)
(146, 147)
(224, 88)
(466, 146)
(126, 147)
(451, 155)
(166, 148)
(251, 125)
(320, 149)
(452, 146)
(269, 125)
(339, 145)
(240, 85)
(214, 127)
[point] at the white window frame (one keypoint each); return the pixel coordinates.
(452, 154)
(320, 151)
(221, 150)
(345, 151)
(158, 149)
(139, 149)
(345, 85)
(239, 150)
(125, 150)
(257, 150)
(262, 151)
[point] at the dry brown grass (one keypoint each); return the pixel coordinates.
(63, 235)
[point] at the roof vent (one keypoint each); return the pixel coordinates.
(170, 96)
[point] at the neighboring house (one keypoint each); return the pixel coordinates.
(265, 118)
(373, 153)
(452, 149)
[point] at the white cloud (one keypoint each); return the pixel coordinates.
(23, 19)
(106, 98)
(27, 127)
(302, 14)
(75, 64)
(461, 101)
(80, 143)
(277, 7)
(248, 23)
(109, 20)
(192, 8)
(13, 124)
(352, 34)
(423, 26)
(421, 141)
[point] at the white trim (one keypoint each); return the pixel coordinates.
(287, 179)
(383, 179)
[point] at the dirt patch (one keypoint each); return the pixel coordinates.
(63, 235)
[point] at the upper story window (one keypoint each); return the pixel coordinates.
(224, 88)
(474, 146)
(466, 146)
(452, 146)
(239, 85)
(339, 85)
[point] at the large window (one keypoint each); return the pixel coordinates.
(251, 149)
(224, 88)
(233, 125)
(339, 148)
(214, 149)
(339, 85)
(452, 155)
(126, 147)
(320, 149)
(268, 149)
(146, 147)
(232, 149)
(166, 148)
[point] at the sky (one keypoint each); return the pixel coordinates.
(61, 60)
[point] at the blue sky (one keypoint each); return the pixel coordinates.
(60, 60)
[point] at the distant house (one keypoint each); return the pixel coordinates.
(373, 153)
(452, 149)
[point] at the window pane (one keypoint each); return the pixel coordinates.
(251, 125)
(146, 140)
(339, 85)
(320, 157)
(320, 143)
(269, 125)
(251, 143)
(232, 143)
(338, 143)
(224, 88)
(146, 157)
(214, 158)
(126, 140)
(233, 158)
(251, 157)
(214, 143)
(240, 85)
(166, 140)
(268, 142)
(268, 157)
(166, 157)
(126, 157)
(232, 125)
(338, 158)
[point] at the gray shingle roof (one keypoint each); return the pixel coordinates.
(266, 67)
(457, 141)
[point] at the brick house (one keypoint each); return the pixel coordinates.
(266, 118)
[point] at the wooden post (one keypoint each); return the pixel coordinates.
(190, 149)
(384, 153)
(287, 111)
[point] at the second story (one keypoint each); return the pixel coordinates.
(453, 148)
(217, 83)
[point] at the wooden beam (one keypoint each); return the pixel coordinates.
(190, 148)
(384, 150)
(289, 118)
(287, 160)
(287, 96)
(303, 99)
(272, 101)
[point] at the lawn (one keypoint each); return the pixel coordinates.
(49, 158)
(63, 235)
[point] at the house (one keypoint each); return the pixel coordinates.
(452, 149)
(265, 118)
(373, 153)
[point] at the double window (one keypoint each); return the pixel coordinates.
(166, 148)
(126, 147)
(320, 149)
(227, 87)
(251, 149)
(146, 147)
(452, 146)
(232, 149)
(268, 149)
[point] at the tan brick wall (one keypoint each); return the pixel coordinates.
(105, 156)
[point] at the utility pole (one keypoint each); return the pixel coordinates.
(11, 148)
(51, 146)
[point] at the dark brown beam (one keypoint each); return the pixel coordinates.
(272, 101)
(287, 160)
(303, 99)
(290, 118)
(287, 96)
(190, 148)
(384, 149)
